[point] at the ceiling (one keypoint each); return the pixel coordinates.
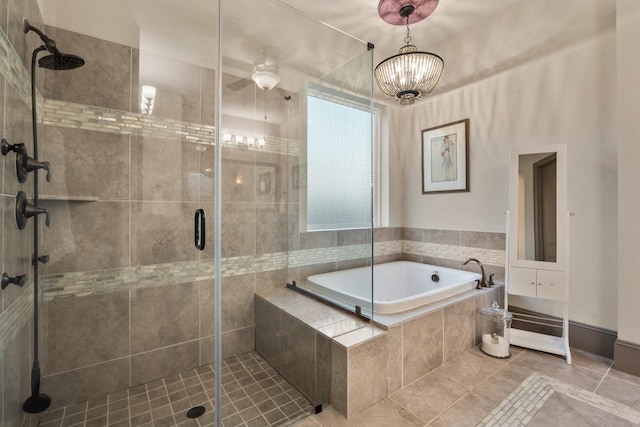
(185, 26)
(360, 19)
(475, 38)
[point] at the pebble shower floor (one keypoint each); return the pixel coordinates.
(254, 395)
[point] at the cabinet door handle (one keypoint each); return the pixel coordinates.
(540, 284)
(533, 283)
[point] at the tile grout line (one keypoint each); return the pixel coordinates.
(458, 400)
(602, 379)
(500, 369)
(622, 379)
(449, 407)
(135, 354)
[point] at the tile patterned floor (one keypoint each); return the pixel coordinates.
(526, 403)
(463, 392)
(466, 390)
(254, 395)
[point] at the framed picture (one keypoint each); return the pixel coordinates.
(264, 182)
(295, 177)
(445, 158)
(299, 176)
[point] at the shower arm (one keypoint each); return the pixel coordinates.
(34, 115)
(49, 44)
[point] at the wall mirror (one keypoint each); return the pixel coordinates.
(537, 199)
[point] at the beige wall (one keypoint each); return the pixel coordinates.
(628, 32)
(558, 88)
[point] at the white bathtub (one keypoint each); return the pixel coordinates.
(398, 286)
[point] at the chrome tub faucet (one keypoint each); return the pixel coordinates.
(483, 282)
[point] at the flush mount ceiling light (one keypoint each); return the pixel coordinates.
(411, 74)
(265, 76)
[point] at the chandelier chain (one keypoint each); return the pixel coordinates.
(407, 39)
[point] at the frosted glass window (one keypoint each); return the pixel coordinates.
(339, 163)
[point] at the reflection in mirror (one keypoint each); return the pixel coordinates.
(537, 230)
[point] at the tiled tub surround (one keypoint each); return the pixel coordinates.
(300, 337)
(297, 334)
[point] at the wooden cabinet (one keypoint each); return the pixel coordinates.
(533, 282)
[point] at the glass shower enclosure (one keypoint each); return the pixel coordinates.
(181, 107)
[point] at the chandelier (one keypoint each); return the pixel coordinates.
(410, 74)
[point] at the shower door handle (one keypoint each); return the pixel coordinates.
(199, 229)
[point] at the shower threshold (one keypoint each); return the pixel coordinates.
(253, 395)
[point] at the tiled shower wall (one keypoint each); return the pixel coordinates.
(16, 318)
(119, 200)
(124, 283)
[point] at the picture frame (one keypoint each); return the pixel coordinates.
(295, 177)
(264, 182)
(445, 158)
(299, 176)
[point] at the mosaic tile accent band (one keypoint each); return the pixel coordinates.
(15, 317)
(79, 116)
(13, 70)
(112, 280)
(456, 253)
(86, 117)
(522, 404)
(119, 279)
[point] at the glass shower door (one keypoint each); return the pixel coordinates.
(127, 298)
(164, 119)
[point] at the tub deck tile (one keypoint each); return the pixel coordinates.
(388, 320)
(316, 314)
(283, 297)
(342, 327)
(359, 336)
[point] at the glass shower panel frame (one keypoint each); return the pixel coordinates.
(317, 256)
(263, 181)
